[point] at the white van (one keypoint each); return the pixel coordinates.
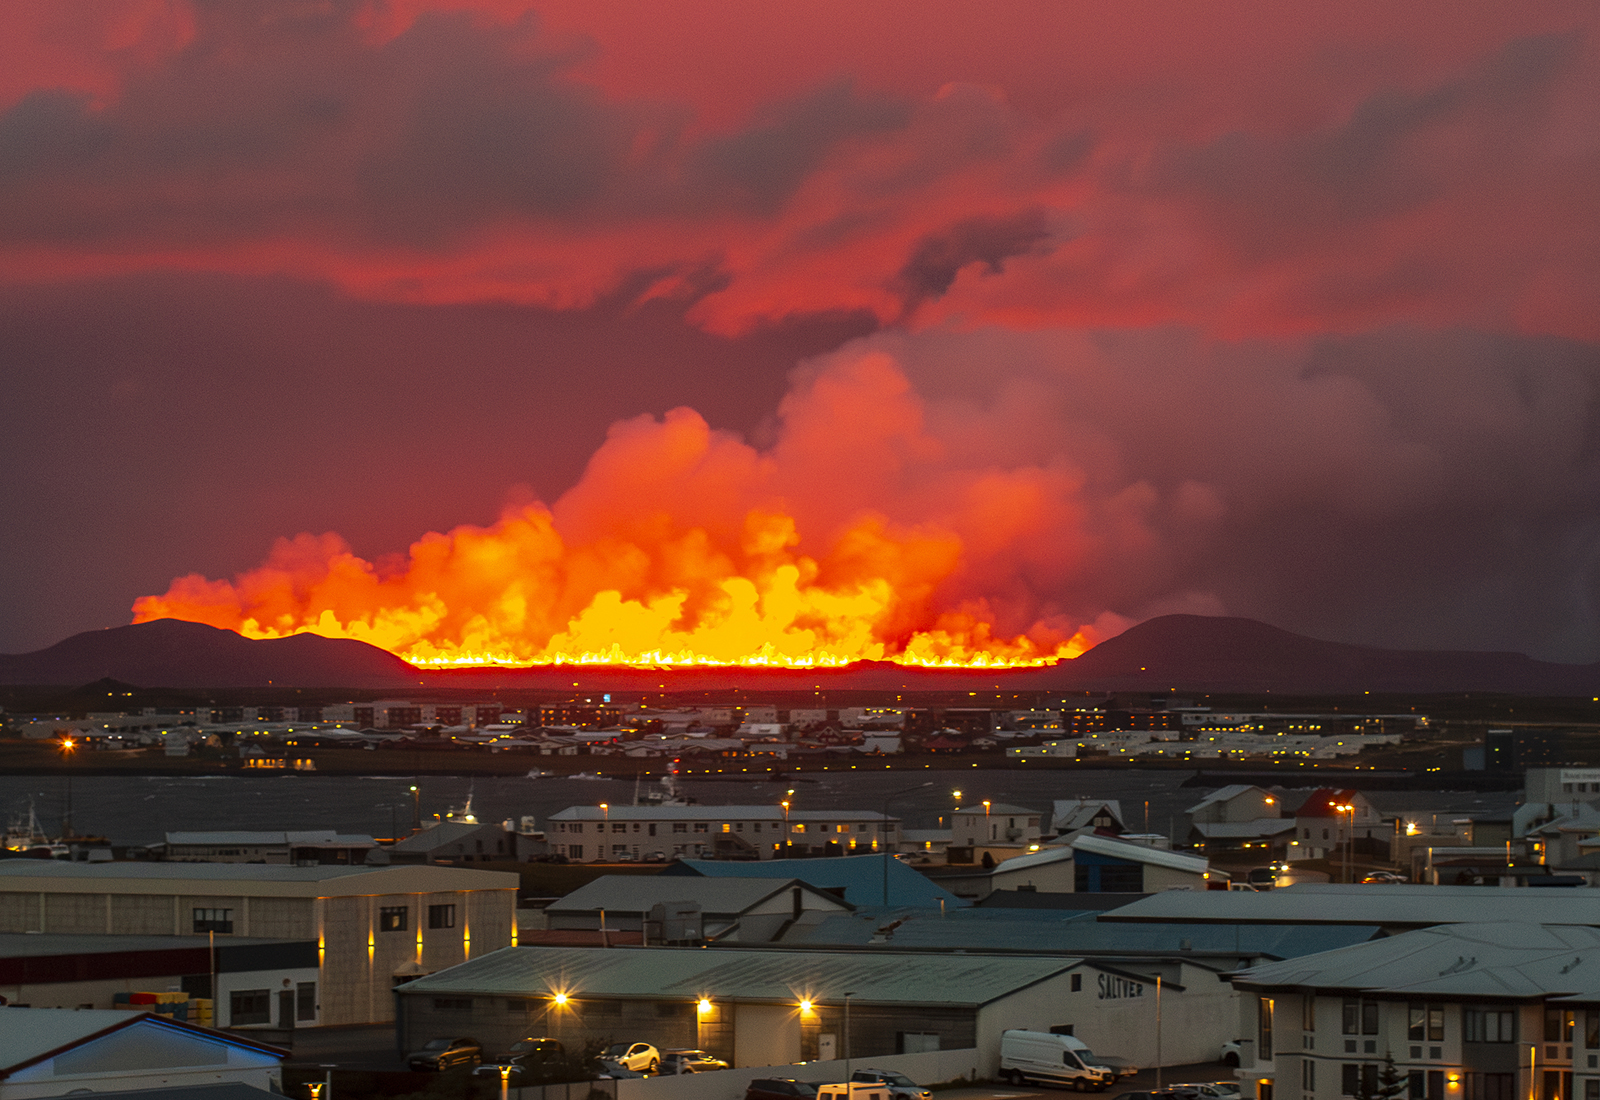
(854, 1091)
(1052, 1059)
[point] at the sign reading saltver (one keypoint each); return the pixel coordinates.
(1580, 775)
(1113, 988)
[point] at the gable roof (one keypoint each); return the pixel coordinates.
(638, 893)
(1138, 853)
(32, 1035)
(862, 878)
(1224, 794)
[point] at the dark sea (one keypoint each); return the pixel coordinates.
(139, 810)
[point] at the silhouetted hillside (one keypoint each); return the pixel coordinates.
(170, 653)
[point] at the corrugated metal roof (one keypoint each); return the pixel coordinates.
(1079, 934)
(1388, 905)
(664, 973)
(860, 877)
(1138, 853)
(1509, 959)
(637, 893)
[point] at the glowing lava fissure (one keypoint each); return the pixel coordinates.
(855, 537)
(515, 595)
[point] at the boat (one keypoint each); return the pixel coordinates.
(24, 834)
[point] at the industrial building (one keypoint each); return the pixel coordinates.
(679, 910)
(283, 848)
(369, 924)
(772, 1007)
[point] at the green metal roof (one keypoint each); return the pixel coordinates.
(669, 973)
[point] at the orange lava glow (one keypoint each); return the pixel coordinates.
(514, 594)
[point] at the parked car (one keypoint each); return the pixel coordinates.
(899, 1085)
(690, 1061)
(532, 1061)
(780, 1088)
(635, 1056)
(1119, 1067)
(1159, 1094)
(1232, 1052)
(1386, 878)
(445, 1053)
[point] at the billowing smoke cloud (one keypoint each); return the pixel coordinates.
(916, 505)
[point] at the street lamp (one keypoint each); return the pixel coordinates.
(883, 827)
(505, 1082)
(1349, 837)
(68, 746)
(416, 810)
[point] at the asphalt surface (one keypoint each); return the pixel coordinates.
(373, 1048)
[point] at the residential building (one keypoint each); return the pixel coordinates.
(996, 824)
(1499, 1011)
(459, 842)
(597, 834)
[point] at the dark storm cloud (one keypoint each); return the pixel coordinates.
(774, 155)
(938, 258)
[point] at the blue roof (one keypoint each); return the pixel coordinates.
(1078, 933)
(861, 878)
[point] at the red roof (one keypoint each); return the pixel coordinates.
(1322, 801)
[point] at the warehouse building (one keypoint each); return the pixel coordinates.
(371, 925)
(677, 909)
(258, 982)
(51, 1052)
(771, 1007)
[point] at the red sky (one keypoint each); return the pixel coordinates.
(1269, 309)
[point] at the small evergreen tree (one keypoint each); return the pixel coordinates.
(1391, 1082)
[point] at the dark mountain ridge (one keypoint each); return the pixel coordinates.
(1189, 653)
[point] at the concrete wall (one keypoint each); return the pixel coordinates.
(152, 914)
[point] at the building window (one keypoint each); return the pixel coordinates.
(1308, 1013)
(575, 851)
(1077, 983)
(1360, 1017)
(726, 827)
(1559, 1024)
(441, 916)
(213, 920)
(1425, 1023)
(701, 827)
(679, 827)
(1488, 1025)
(249, 1006)
(392, 918)
(1308, 1075)
(620, 827)
(1264, 1047)
(1591, 1028)
(305, 1001)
